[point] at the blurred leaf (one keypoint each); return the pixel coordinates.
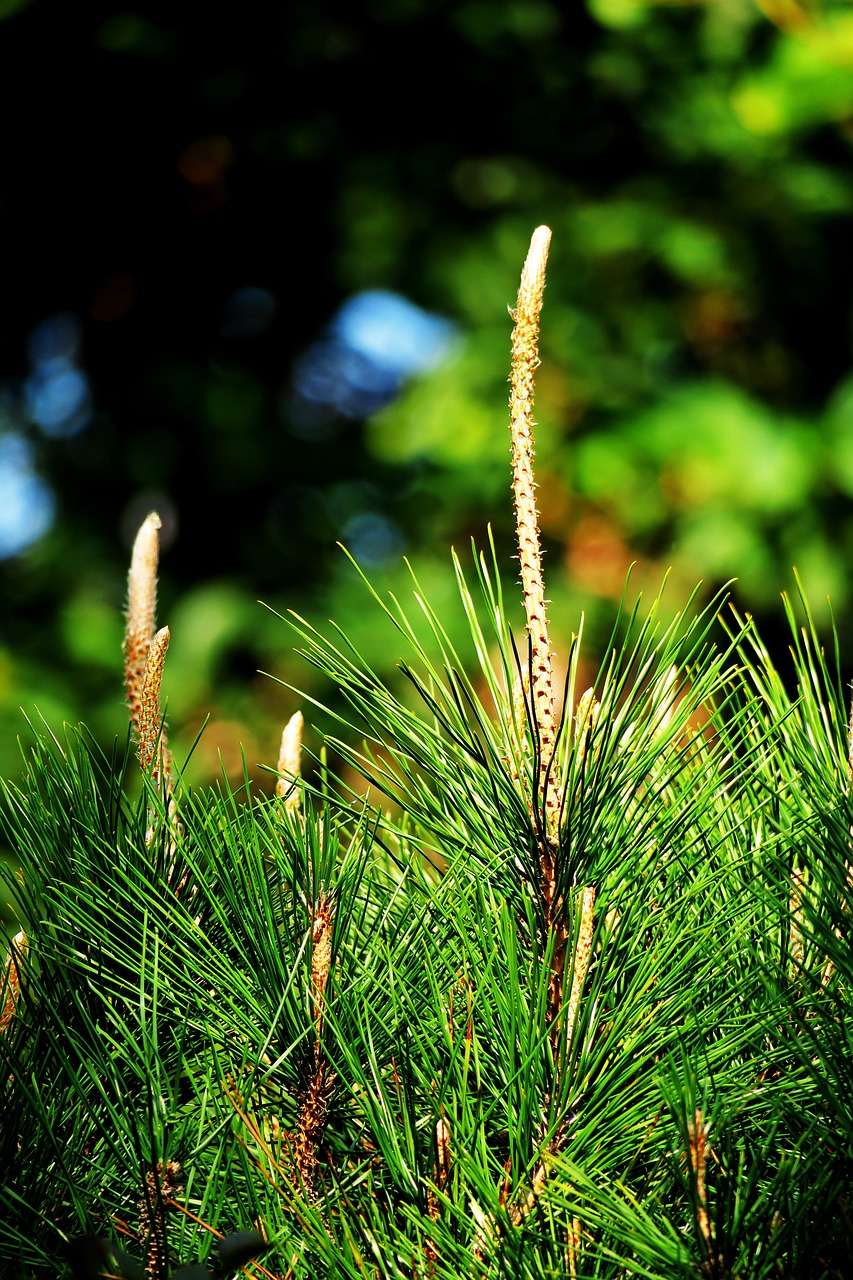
(10, 7)
(807, 80)
(240, 1247)
(90, 1258)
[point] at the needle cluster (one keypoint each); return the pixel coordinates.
(564, 989)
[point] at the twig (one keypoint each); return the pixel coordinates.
(697, 1133)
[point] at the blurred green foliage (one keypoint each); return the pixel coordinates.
(694, 399)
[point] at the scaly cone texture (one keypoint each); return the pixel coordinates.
(152, 734)
(547, 783)
(141, 613)
(11, 983)
(313, 1112)
(583, 951)
(145, 652)
(525, 360)
(160, 1191)
(320, 1084)
(321, 954)
(313, 1115)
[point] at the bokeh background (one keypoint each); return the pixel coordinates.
(256, 267)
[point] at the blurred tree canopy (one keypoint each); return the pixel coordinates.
(192, 196)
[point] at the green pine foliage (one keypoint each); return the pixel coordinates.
(343, 1034)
